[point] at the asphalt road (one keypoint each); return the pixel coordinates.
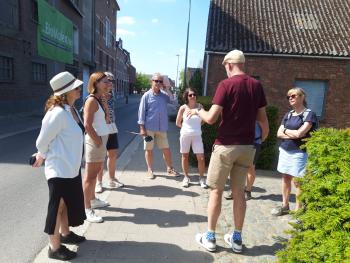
(24, 193)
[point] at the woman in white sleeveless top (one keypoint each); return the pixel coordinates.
(191, 135)
(97, 130)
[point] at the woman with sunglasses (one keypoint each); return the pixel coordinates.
(60, 144)
(296, 125)
(97, 131)
(191, 135)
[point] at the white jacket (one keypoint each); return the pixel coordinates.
(60, 143)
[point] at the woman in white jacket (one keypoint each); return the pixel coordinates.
(60, 144)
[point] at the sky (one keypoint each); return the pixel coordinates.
(155, 31)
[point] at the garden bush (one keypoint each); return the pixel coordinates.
(268, 155)
(209, 132)
(324, 232)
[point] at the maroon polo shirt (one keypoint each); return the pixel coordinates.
(240, 97)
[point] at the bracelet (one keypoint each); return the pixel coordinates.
(284, 131)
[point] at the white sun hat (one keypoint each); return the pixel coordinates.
(64, 82)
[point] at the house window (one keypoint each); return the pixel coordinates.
(76, 41)
(106, 35)
(315, 94)
(39, 72)
(9, 16)
(6, 68)
(100, 26)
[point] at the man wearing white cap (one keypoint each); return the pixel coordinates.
(240, 100)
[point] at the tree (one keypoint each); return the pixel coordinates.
(196, 82)
(142, 82)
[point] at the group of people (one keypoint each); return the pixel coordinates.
(65, 136)
(239, 101)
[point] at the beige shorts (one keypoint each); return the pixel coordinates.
(160, 138)
(94, 154)
(229, 160)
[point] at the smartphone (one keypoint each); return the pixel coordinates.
(32, 159)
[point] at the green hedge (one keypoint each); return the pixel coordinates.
(268, 155)
(268, 152)
(324, 234)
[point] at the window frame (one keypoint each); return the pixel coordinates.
(42, 71)
(10, 68)
(326, 87)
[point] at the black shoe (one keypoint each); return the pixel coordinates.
(248, 195)
(72, 238)
(62, 253)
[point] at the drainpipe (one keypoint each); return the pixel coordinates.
(206, 74)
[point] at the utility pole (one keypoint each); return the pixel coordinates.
(177, 71)
(188, 32)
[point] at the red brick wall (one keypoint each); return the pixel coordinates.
(278, 75)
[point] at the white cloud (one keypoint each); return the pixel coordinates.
(155, 20)
(124, 32)
(161, 53)
(126, 20)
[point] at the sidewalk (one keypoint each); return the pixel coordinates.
(156, 220)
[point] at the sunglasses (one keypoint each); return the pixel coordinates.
(157, 81)
(192, 95)
(292, 96)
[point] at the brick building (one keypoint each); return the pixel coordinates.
(287, 43)
(125, 72)
(24, 74)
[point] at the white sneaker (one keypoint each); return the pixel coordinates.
(150, 175)
(97, 203)
(92, 217)
(98, 187)
(202, 183)
(209, 245)
(114, 183)
(186, 182)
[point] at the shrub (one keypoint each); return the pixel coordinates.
(324, 234)
(268, 155)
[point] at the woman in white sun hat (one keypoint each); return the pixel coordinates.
(60, 144)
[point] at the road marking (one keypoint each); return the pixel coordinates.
(3, 136)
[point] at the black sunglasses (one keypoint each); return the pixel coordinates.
(192, 95)
(292, 96)
(157, 81)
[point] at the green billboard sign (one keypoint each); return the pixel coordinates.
(55, 34)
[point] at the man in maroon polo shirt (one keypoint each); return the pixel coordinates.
(240, 100)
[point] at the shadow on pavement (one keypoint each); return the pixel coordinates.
(257, 189)
(156, 191)
(132, 251)
(164, 219)
(262, 250)
(274, 197)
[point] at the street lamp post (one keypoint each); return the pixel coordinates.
(177, 71)
(188, 32)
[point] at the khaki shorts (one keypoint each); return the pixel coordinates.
(160, 138)
(229, 160)
(94, 154)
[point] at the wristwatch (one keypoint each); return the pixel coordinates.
(284, 131)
